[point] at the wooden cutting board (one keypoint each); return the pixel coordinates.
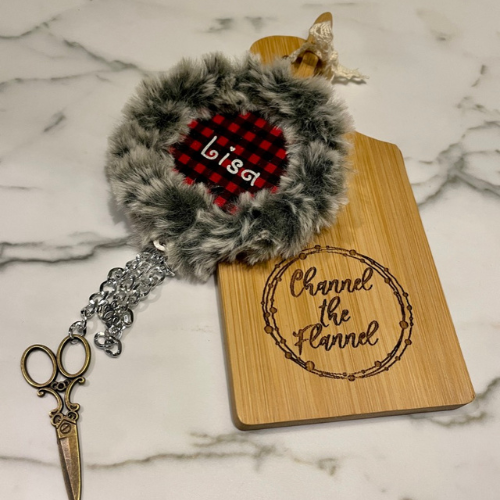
(354, 326)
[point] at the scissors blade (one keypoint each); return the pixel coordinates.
(69, 454)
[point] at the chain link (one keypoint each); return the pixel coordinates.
(123, 289)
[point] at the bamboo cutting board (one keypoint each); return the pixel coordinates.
(354, 326)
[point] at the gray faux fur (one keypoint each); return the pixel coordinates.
(197, 233)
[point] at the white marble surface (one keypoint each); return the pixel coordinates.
(156, 423)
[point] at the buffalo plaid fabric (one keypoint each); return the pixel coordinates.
(231, 155)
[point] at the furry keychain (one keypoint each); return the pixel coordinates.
(216, 160)
(220, 160)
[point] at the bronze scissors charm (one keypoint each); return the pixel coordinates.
(64, 422)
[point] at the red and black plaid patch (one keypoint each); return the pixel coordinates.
(231, 155)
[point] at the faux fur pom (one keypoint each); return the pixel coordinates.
(196, 233)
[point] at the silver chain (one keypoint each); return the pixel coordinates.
(123, 289)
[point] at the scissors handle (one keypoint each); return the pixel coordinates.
(62, 345)
(57, 362)
(24, 365)
(55, 387)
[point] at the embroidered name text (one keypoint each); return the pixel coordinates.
(233, 165)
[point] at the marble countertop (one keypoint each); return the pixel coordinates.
(156, 422)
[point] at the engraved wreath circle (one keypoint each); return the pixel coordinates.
(382, 365)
